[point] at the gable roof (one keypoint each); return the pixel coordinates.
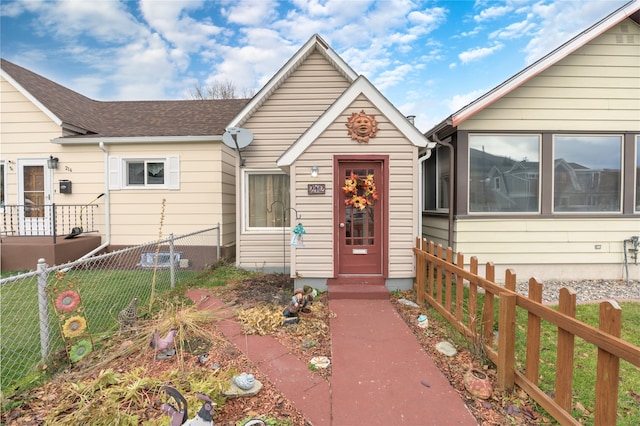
(630, 10)
(360, 86)
(86, 120)
(315, 43)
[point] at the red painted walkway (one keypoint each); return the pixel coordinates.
(379, 370)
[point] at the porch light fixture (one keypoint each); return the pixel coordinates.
(314, 171)
(52, 162)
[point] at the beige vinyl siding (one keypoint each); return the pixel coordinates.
(543, 243)
(291, 109)
(277, 124)
(25, 132)
(316, 258)
(596, 88)
(198, 204)
(437, 228)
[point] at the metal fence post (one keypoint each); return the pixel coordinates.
(172, 262)
(43, 309)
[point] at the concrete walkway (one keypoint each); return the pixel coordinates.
(380, 374)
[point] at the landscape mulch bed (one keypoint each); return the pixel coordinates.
(306, 340)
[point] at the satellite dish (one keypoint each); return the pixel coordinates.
(237, 137)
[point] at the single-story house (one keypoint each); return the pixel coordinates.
(320, 176)
(316, 175)
(125, 158)
(542, 173)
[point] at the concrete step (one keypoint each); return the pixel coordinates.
(357, 291)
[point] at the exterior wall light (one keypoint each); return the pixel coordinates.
(314, 171)
(52, 162)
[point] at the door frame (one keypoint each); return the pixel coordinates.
(338, 197)
(42, 225)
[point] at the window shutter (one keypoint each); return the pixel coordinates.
(173, 166)
(114, 173)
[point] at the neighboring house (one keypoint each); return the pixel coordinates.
(136, 153)
(328, 157)
(546, 166)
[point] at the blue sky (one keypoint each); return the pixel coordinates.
(429, 58)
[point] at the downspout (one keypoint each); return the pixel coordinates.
(452, 176)
(421, 161)
(107, 207)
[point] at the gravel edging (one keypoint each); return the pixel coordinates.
(587, 291)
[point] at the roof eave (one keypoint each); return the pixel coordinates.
(545, 62)
(360, 86)
(113, 140)
(31, 98)
(314, 42)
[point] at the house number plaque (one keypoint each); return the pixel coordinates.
(316, 188)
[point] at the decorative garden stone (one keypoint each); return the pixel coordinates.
(478, 383)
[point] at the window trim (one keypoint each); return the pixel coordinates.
(118, 172)
(245, 202)
(621, 178)
(538, 211)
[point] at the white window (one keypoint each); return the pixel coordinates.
(587, 173)
(144, 173)
(266, 200)
(436, 197)
(504, 173)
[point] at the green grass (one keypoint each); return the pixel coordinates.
(104, 293)
(585, 362)
(585, 356)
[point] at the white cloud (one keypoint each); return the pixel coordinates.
(11, 10)
(478, 53)
(457, 102)
(252, 12)
(171, 20)
(515, 30)
(562, 20)
(254, 61)
(392, 77)
(104, 21)
(492, 12)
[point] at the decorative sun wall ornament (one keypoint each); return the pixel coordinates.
(362, 126)
(360, 192)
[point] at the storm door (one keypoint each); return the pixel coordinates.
(360, 217)
(34, 197)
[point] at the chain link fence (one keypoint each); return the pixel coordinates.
(35, 316)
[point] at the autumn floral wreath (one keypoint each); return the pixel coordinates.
(360, 192)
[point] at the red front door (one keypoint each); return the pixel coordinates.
(359, 189)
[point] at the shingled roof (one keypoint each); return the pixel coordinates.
(90, 118)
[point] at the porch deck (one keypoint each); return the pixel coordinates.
(22, 253)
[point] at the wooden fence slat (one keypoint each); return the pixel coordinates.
(473, 303)
(565, 351)
(431, 268)
(448, 275)
(438, 282)
(611, 348)
(510, 279)
(487, 312)
(459, 288)
(608, 372)
(506, 341)
(533, 333)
